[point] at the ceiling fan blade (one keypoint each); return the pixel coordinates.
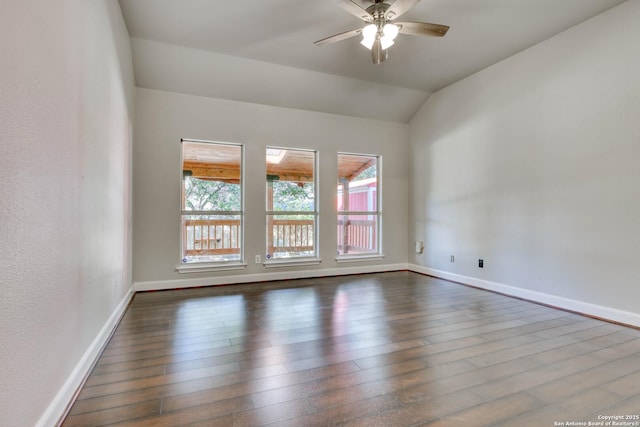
(422, 29)
(377, 53)
(399, 7)
(338, 37)
(355, 10)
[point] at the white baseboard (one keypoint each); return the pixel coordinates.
(593, 310)
(263, 277)
(65, 396)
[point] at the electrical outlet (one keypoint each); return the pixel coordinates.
(481, 263)
(258, 259)
(452, 258)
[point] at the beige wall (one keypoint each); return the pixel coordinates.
(66, 101)
(532, 165)
(163, 118)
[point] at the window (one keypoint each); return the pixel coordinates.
(358, 202)
(291, 210)
(211, 202)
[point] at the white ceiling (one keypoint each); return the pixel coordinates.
(262, 51)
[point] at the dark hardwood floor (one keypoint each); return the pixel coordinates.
(389, 349)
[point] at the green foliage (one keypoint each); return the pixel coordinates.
(291, 196)
(201, 195)
(370, 172)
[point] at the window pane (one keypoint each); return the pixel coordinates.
(211, 238)
(357, 234)
(357, 183)
(290, 236)
(211, 176)
(290, 180)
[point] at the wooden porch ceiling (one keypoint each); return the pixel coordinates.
(222, 163)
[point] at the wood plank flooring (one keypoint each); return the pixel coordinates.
(388, 349)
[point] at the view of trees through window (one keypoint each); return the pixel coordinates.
(370, 172)
(201, 195)
(212, 211)
(293, 196)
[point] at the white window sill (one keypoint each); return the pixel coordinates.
(291, 262)
(359, 258)
(205, 267)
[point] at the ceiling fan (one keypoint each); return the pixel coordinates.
(381, 29)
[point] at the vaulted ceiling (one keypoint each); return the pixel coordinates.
(263, 52)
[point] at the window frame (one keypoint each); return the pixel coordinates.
(212, 265)
(269, 260)
(377, 213)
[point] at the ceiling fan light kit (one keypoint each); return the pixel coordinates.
(386, 35)
(380, 33)
(369, 34)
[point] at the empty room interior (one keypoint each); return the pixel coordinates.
(337, 212)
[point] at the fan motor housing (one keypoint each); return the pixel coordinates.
(378, 9)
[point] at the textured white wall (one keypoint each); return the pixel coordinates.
(163, 118)
(532, 165)
(66, 104)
